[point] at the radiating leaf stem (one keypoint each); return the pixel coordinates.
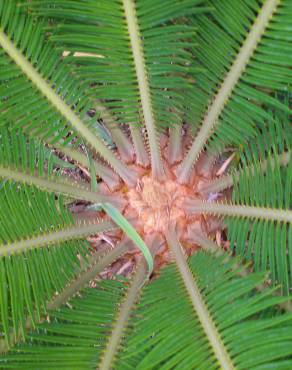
(228, 85)
(145, 97)
(123, 316)
(74, 190)
(199, 206)
(97, 264)
(44, 87)
(197, 300)
(76, 231)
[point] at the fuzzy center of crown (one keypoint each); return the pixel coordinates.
(156, 204)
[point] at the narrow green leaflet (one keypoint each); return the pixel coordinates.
(93, 182)
(130, 232)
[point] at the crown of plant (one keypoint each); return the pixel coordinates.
(145, 154)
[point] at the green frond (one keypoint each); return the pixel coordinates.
(144, 87)
(254, 97)
(167, 334)
(76, 231)
(30, 219)
(209, 245)
(216, 344)
(264, 180)
(194, 206)
(123, 316)
(274, 137)
(100, 30)
(262, 195)
(28, 154)
(31, 155)
(164, 331)
(97, 262)
(53, 185)
(30, 279)
(140, 80)
(241, 76)
(137, 48)
(28, 161)
(218, 38)
(21, 102)
(267, 243)
(246, 109)
(76, 336)
(272, 143)
(41, 74)
(271, 188)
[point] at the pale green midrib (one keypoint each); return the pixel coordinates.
(76, 231)
(227, 181)
(227, 87)
(144, 89)
(97, 264)
(44, 87)
(199, 305)
(199, 206)
(122, 317)
(73, 190)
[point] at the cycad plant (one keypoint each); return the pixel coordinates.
(145, 218)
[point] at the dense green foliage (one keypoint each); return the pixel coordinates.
(97, 81)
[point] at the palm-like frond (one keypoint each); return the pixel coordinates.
(30, 279)
(151, 64)
(273, 139)
(166, 339)
(264, 181)
(73, 334)
(30, 221)
(102, 34)
(17, 91)
(271, 190)
(31, 156)
(30, 162)
(238, 95)
(39, 74)
(165, 330)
